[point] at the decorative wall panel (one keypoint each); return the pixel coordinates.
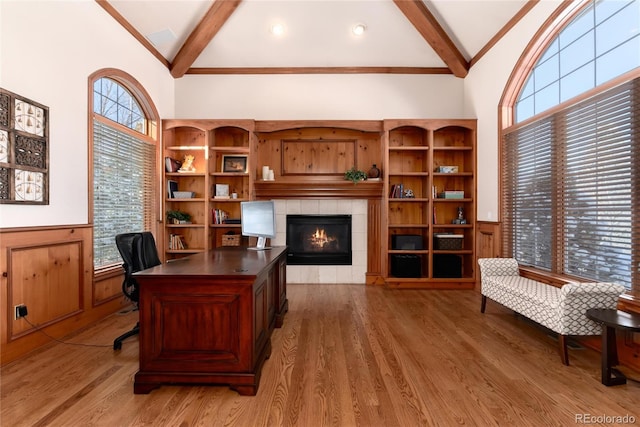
(24, 150)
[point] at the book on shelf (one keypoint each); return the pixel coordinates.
(176, 242)
(397, 191)
(171, 187)
(219, 216)
(171, 165)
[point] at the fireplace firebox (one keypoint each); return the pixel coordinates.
(319, 239)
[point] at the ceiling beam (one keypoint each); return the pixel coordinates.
(200, 37)
(320, 70)
(504, 30)
(127, 26)
(428, 26)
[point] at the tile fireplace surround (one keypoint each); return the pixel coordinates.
(315, 274)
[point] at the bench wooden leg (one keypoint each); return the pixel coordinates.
(483, 304)
(564, 354)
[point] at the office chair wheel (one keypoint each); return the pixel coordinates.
(117, 343)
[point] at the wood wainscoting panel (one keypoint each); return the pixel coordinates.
(106, 288)
(47, 278)
(50, 270)
(488, 240)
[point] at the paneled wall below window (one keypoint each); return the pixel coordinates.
(50, 271)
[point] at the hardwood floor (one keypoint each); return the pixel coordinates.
(347, 355)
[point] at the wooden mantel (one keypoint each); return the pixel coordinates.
(307, 189)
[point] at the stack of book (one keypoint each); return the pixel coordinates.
(397, 191)
(219, 216)
(176, 242)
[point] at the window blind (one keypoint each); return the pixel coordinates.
(124, 171)
(570, 184)
(529, 199)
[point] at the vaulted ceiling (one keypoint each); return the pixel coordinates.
(237, 37)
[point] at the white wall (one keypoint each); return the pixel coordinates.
(321, 97)
(484, 86)
(47, 51)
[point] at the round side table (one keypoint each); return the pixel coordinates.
(612, 319)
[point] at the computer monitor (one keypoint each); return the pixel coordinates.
(258, 219)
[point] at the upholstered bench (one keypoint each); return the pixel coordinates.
(562, 310)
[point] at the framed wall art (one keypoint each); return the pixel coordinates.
(24, 150)
(236, 163)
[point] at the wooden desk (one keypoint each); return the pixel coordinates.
(612, 319)
(208, 318)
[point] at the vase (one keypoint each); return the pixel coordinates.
(374, 172)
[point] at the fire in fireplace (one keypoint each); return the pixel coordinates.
(319, 239)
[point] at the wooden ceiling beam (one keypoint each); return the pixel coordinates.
(319, 70)
(131, 29)
(202, 34)
(428, 26)
(504, 30)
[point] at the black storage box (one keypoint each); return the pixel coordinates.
(447, 266)
(406, 265)
(406, 242)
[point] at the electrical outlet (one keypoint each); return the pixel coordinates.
(20, 311)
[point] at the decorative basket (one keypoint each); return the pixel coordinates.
(183, 194)
(230, 240)
(447, 242)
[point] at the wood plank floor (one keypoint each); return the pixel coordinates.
(347, 355)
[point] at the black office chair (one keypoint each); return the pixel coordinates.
(138, 251)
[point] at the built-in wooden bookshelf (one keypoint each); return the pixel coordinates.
(430, 203)
(221, 157)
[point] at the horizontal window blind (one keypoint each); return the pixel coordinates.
(528, 172)
(570, 184)
(597, 205)
(123, 189)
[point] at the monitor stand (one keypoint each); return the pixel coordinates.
(261, 245)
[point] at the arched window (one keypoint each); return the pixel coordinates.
(570, 170)
(123, 151)
(599, 44)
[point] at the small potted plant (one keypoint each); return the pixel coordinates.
(178, 217)
(355, 175)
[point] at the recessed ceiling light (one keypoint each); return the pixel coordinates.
(277, 29)
(358, 29)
